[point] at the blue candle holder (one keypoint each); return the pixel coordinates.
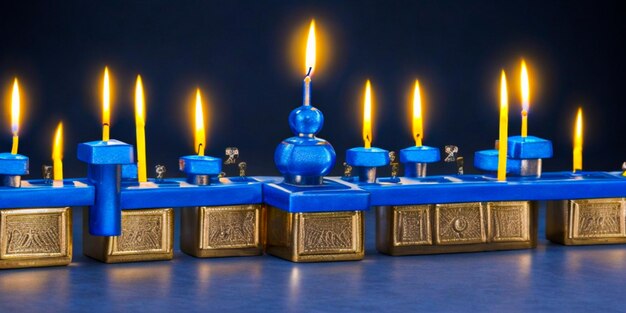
(415, 160)
(104, 159)
(524, 156)
(12, 167)
(200, 169)
(366, 160)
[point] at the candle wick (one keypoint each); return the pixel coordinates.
(309, 72)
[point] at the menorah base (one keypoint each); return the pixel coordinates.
(315, 237)
(35, 237)
(147, 235)
(456, 227)
(222, 231)
(586, 221)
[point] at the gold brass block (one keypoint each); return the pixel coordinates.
(222, 231)
(587, 221)
(147, 235)
(35, 237)
(456, 227)
(315, 237)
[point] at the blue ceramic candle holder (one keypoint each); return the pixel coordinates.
(416, 158)
(366, 160)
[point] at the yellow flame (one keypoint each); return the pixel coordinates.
(310, 49)
(504, 128)
(106, 105)
(57, 153)
(15, 108)
(418, 128)
(525, 87)
(139, 103)
(140, 107)
(367, 115)
(578, 141)
(200, 136)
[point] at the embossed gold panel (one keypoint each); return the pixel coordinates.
(587, 221)
(315, 237)
(222, 231)
(147, 235)
(456, 227)
(35, 237)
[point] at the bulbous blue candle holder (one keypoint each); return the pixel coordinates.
(104, 159)
(416, 159)
(366, 160)
(305, 159)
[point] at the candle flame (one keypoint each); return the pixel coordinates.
(525, 87)
(57, 153)
(106, 104)
(15, 108)
(578, 141)
(140, 103)
(367, 115)
(310, 49)
(57, 145)
(418, 131)
(200, 137)
(504, 125)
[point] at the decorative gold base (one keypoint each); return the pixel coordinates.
(315, 237)
(222, 231)
(35, 237)
(586, 222)
(147, 235)
(456, 227)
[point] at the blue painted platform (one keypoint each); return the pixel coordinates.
(475, 188)
(171, 193)
(37, 193)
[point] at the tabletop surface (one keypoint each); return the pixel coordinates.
(550, 277)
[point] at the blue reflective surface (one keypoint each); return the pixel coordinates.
(549, 278)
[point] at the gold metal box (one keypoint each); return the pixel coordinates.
(587, 221)
(147, 235)
(315, 237)
(222, 231)
(456, 227)
(35, 237)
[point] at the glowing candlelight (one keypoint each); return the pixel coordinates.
(418, 130)
(504, 128)
(525, 98)
(200, 137)
(106, 105)
(57, 153)
(367, 116)
(140, 131)
(15, 115)
(578, 141)
(309, 63)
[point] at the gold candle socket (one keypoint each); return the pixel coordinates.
(586, 221)
(147, 235)
(456, 227)
(35, 237)
(222, 231)
(315, 237)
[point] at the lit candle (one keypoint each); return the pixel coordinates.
(525, 98)
(367, 116)
(578, 141)
(140, 131)
(15, 115)
(200, 137)
(309, 63)
(418, 130)
(504, 128)
(106, 105)
(57, 153)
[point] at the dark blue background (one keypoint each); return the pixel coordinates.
(239, 52)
